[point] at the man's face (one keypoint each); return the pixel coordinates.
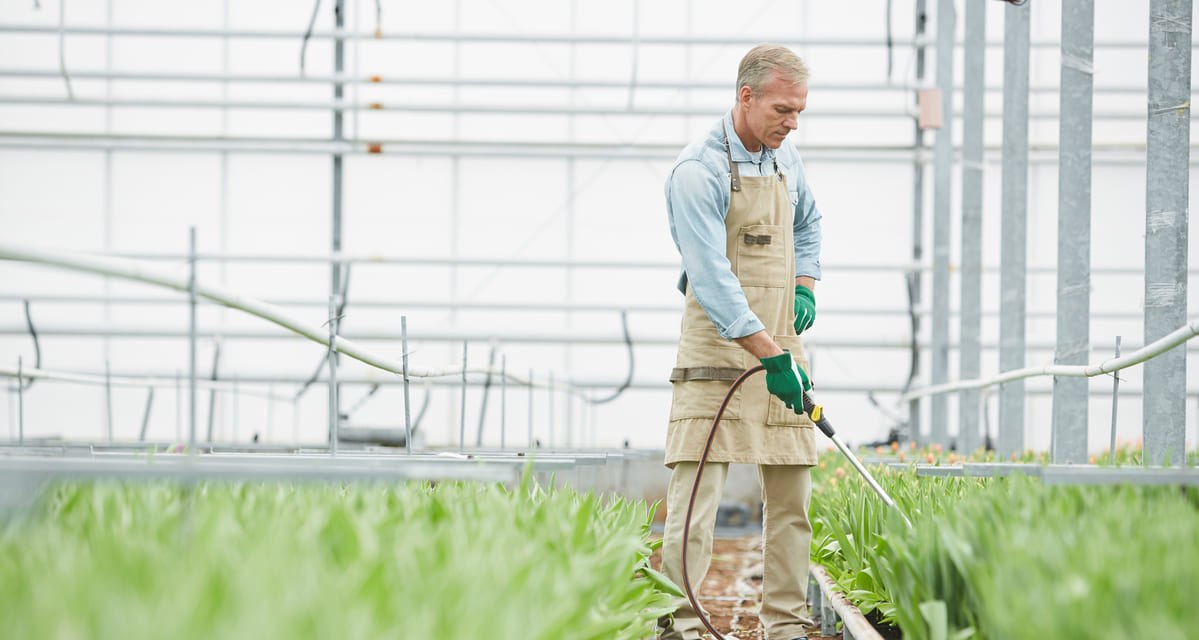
(775, 113)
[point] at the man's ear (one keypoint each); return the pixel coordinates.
(744, 96)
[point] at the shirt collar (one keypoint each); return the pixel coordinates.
(738, 150)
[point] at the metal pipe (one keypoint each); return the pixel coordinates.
(530, 442)
(216, 361)
(20, 401)
(497, 149)
(888, 387)
(493, 108)
(191, 297)
(108, 400)
(1166, 213)
(970, 282)
(503, 401)
(462, 411)
(550, 393)
(1069, 436)
(334, 410)
(521, 38)
(484, 81)
(915, 282)
(1115, 404)
(942, 195)
(825, 311)
(140, 332)
(486, 393)
(141, 436)
(407, 400)
(1014, 225)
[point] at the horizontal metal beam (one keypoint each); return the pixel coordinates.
(1109, 154)
(468, 335)
(481, 81)
(249, 379)
(517, 38)
(527, 109)
(506, 305)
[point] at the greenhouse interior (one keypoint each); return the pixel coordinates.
(476, 319)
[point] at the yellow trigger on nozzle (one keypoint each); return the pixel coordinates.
(816, 411)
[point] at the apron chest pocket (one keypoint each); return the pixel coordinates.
(761, 256)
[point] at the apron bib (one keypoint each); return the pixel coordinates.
(756, 427)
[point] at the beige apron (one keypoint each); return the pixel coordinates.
(756, 427)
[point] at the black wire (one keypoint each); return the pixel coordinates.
(628, 342)
(37, 347)
(308, 34)
(338, 314)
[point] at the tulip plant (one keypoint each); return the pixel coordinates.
(263, 561)
(1007, 559)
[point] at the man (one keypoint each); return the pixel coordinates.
(748, 230)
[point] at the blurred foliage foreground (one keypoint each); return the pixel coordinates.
(1007, 559)
(263, 561)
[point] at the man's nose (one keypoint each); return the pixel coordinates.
(792, 121)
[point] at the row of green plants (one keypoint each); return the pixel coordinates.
(291, 561)
(1006, 559)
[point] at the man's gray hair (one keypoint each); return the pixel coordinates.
(756, 66)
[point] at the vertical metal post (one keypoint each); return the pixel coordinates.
(917, 219)
(1070, 395)
(178, 405)
(1166, 214)
(486, 393)
(339, 45)
(191, 376)
(462, 413)
(334, 410)
(270, 412)
(108, 397)
(146, 417)
(20, 402)
(236, 408)
(1115, 404)
(216, 363)
(407, 404)
(530, 444)
(1013, 252)
(942, 194)
(970, 328)
(503, 401)
(551, 412)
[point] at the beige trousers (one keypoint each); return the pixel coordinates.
(786, 539)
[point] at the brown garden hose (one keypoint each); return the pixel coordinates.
(813, 411)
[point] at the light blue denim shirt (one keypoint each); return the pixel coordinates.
(697, 200)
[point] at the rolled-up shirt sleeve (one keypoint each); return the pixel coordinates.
(807, 230)
(697, 205)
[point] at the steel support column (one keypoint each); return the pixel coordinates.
(1013, 253)
(1069, 439)
(970, 332)
(914, 281)
(1166, 212)
(942, 195)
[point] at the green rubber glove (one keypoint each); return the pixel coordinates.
(786, 380)
(805, 308)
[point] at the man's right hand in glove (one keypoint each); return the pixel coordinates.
(786, 380)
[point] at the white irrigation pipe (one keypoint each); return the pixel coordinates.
(1171, 340)
(130, 270)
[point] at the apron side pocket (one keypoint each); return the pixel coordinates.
(701, 380)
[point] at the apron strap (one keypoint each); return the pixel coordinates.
(727, 374)
(734, 174)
